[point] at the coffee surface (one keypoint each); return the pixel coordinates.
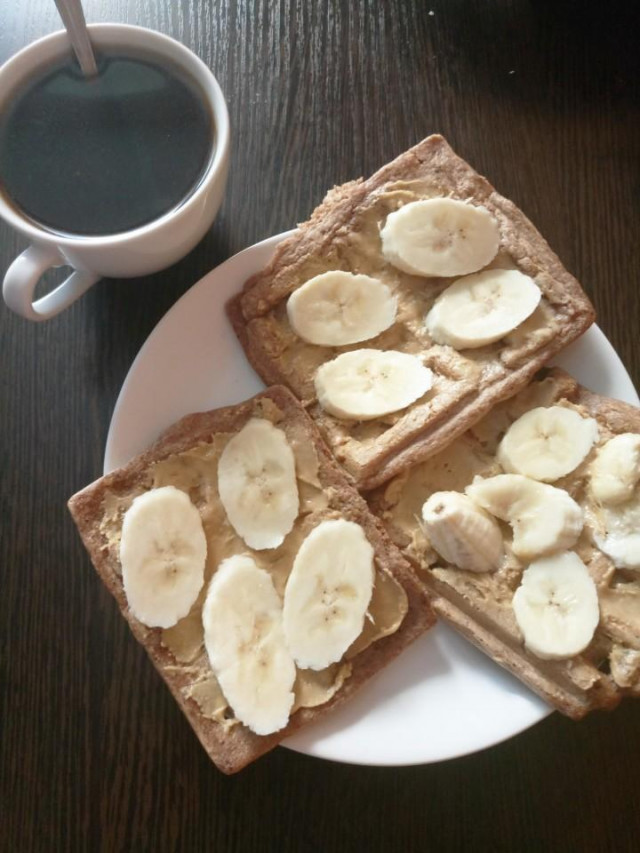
(108, 154)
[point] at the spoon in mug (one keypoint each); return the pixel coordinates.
(73, 19)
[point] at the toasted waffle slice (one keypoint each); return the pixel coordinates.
(344, 234)
(187, 458)
(480, 603)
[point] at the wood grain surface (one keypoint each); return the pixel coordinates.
(543, 98)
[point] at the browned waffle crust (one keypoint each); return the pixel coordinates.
(472, 602)
(232, 748)
(343, 233)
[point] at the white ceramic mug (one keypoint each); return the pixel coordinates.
(143, 250)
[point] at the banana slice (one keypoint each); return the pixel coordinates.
(257, 484)
(462, 533)
(243, 636)
(614, 476)
(162, 552)
(543, 519)
(547, 443)
(327, 593)
(368, 383)
(339, 308)
(625, 667)
(620, 539)
(440, 237)
(556, 607)
(480, 309)
(615, 471)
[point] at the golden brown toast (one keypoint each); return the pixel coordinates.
(343, 234)
(178, 653)
(480, 605)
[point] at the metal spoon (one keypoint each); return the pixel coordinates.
(73, 19)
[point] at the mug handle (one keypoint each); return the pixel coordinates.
(25, 272)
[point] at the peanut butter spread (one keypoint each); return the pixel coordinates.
(194, 471)
(490, 594)
(456, 374)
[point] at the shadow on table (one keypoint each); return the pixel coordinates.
(533, 50)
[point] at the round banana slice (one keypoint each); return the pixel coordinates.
(462, 533)
(244, 639)
(547, 443)
(615, 471)
(257, 484)
(556, 607)
(162, 552)
(440, 237)
(543, 519)
(327, 593)
(368, 383)
(339, 308)
(480, 309)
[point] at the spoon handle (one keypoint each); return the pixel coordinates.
(73, 19)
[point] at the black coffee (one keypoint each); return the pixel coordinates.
(107, 154)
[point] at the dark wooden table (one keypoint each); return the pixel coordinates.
(540, 96)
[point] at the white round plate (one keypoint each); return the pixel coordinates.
(441, 698)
